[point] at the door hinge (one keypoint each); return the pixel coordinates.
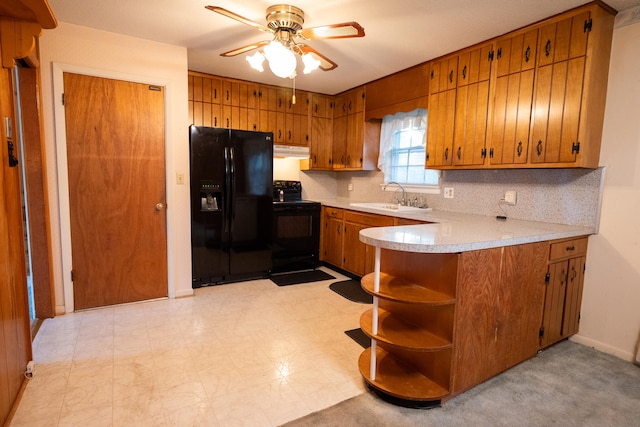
(63, 99)
(547, 278)
(588, 24)
(575, 148)
(541, 332)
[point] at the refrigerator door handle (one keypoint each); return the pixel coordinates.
(232, 180)
(227, 190)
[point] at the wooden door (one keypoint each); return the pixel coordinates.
(511, 111)
(559, 91)
(333, 241)
(116, 165)
(355, 251)
(15, 337)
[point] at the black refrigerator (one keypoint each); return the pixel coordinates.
(231, 204)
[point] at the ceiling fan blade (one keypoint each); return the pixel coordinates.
(238, 18)
(325, 63)
(246, 48)
(335, 31)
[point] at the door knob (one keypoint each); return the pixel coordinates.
(159, 206)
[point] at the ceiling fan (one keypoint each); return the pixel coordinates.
(285, 22)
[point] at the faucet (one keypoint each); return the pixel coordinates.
(403, 202)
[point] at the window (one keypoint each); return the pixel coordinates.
(403, 148)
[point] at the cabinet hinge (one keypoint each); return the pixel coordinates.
(499, 53)
(483, 153)
(491, 153)
(490, 56)
(588, 24)
(547, 278)
(541, 332)
(575, 148)
(62, 99)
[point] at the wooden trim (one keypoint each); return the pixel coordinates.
(18, 39)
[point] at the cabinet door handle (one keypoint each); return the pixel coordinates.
(279, 133)
(574, 273)
(215, 122)
(571, 248)
(527, 54)
(227, 95)
(215, 93)
(539, 148)
(227, 122)
(289, 135)
(451, 76)
(459, 153)
(464, 72)
(519, 148)
(547, 48)
(446, 153)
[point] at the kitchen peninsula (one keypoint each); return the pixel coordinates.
(459, 301)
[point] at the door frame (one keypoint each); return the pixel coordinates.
(58, 71)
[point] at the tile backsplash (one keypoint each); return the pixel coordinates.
(565, 196)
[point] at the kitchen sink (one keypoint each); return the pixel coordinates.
(390, 207)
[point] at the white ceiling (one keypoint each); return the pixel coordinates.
(399, 33)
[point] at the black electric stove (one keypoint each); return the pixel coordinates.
(296, 228)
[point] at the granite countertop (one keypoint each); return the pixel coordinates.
(457, 232)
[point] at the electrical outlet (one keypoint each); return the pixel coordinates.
(510, 198)
(448, 192)
(180, 178)
(350, 187)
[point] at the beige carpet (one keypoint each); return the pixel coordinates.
(566, 385)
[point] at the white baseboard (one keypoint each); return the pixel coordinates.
(184, 293)
(60, 310)
(605, 348)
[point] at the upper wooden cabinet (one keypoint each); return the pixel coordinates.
(515, 58)
(542, 105)
(398, 93)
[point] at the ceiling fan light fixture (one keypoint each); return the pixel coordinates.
(256, 61)
(282, 61)
(310, 63)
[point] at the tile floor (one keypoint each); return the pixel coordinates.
(242, 354)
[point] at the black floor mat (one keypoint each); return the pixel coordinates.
(351, 290)
(360, 337)
(300, 277)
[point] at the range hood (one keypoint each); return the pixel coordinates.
(299, 152)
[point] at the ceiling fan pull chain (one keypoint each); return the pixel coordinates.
(293, 97)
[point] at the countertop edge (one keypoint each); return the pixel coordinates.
(453, 232)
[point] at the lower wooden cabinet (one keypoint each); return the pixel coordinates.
(443, 323)
(340, 240)
(563, 294)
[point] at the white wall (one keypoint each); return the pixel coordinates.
(611, 302)
(94, 52)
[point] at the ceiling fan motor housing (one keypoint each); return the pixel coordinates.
(285, 17)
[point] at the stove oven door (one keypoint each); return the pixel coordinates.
(296, 236)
